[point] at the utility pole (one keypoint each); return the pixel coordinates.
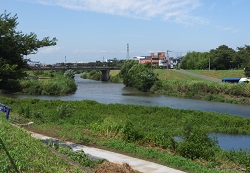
(209, 65)
(168, 57)
(127, 51)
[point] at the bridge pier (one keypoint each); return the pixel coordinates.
(105, 75)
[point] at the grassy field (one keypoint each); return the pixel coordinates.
(174, 75)
(140, 131)
(114, 72)
(219, 74)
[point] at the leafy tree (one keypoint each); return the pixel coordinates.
(242, 58)
(195, 60)
(222, 58)
(137, 75)
(14, 45)
(125, 72)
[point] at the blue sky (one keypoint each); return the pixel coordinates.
(90, 30)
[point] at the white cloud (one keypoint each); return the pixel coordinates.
(49, 50)
(172, 10)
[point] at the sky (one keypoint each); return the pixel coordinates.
(96, 30)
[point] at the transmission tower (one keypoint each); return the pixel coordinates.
(128, 51)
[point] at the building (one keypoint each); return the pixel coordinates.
(158, 61)
(145, 60)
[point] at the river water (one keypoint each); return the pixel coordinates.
(105, 92)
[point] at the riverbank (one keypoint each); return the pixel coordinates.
(143, 135)
(199, 84)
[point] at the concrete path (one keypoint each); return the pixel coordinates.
(137, 164)
(198, 75)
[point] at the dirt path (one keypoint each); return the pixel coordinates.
(136, 164)
(198, 75)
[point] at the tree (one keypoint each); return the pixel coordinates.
(125, 72)
(195, 60)
(222, 58)
(138, 76)
(242, 57)
(14, 45)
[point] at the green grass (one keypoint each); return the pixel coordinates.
(141, 131)
(219, 74)
(177, 84)
(172, 75)
(114, 72)
(22, 153)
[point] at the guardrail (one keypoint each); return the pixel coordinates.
(5, 109)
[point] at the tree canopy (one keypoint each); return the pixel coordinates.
(14, 45)
(137, 75)
(221, 58)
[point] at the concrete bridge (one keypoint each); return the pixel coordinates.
(105, 70)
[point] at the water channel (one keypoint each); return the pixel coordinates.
(105, 92)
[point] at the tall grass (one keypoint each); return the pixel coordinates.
(54, 86)
(22, 153)
(152, 128)
(217, 91)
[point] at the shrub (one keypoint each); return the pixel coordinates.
(69, 73)
(130, 134)
(196, 144)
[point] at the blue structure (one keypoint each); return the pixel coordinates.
(6, 109)
(230, 80)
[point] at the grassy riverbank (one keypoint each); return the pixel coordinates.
(22, 153)
(48, 83)
(177, 84)
(145, 132)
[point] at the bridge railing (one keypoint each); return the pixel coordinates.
(75, 67)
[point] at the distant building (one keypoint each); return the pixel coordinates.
(145, 60)
(159, 60)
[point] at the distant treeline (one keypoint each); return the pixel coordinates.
(221, 58)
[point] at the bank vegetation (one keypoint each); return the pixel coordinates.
(140, 131)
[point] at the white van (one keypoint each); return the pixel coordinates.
(244, 80)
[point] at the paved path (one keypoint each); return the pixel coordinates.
(137, 164)
(198, 75)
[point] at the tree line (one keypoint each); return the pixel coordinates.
(221, 58)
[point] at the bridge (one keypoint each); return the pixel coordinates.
(104, 69)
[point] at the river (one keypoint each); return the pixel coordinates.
(105, 92)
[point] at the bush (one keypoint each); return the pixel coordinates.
(196, 144)
(130, 134)
(55, 86)
(69, 73)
